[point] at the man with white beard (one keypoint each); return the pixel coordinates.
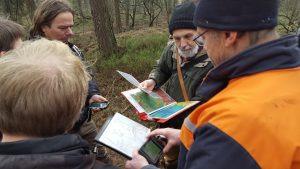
(194, 62)
(193, 66)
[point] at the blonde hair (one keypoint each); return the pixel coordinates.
(43, 88)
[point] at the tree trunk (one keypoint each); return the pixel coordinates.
(118, 16)
(151, 14)
(31, 6)
(175, 3)
(16, 17)
(149, 6)
(80, 9)
(86, 3)
(87, 7)
(289, 16)
(103, 28)
(133, 14)
(8, 8)
(168, 8)
(127, 13)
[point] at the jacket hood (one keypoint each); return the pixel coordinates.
(64, 151)
(282, 53)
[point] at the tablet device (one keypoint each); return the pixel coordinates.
(152, 150)
(122, 135)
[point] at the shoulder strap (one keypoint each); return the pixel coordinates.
(76, 50)
(180, 78)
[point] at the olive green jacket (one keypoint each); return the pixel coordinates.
(193, 73)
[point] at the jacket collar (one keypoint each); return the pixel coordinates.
(277, 54)
(59, 143)
(64, 151)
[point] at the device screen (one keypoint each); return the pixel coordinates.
(99, 105)
(152, 150)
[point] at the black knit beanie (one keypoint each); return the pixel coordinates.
(236, 15)
(182, 17)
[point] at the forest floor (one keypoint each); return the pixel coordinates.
(141, 50)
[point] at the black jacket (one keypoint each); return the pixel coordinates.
(93, 87)
(60, 152)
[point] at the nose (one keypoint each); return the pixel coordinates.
(70, 32)
(184, 44)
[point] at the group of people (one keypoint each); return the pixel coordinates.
(49, 39)
(225, 54)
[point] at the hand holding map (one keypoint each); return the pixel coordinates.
(133, 81)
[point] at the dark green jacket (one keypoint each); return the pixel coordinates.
(193, 73)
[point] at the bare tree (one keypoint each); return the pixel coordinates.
(86, 6)
(168, 9)
(127, 13)
(31, 6)
(289, 16)
(86, 2)
(79, 4)
(14, 9)
(7, 7)
(129, 5)
(150, 9)
(132, 16)
(118, 16)
(103, 28)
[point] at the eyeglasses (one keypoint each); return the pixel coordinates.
(199, 39)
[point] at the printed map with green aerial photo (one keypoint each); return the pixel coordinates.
(148, 102)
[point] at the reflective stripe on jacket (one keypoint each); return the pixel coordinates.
(251, 119)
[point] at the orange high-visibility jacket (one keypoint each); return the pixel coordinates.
(253, 122)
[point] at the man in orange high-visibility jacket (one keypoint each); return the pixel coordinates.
(250, 116)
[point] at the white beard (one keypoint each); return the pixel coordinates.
(188, 53)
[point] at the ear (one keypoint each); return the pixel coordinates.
(45, 28)
(231, 38)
